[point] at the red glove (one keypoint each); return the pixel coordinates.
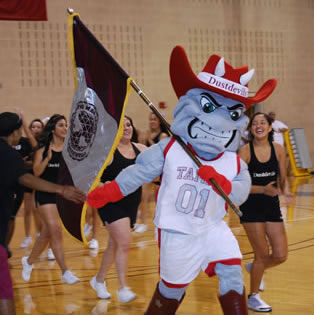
(102, 195)
(207, 172)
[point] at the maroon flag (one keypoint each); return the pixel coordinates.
(96, 120)
(28, 10)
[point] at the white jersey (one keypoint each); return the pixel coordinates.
(186, 203)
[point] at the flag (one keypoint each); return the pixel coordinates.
(95, 123)
(28, 10)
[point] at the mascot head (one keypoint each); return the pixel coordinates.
(210, 112)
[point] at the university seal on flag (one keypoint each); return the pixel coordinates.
(83, 127)
(95, 122)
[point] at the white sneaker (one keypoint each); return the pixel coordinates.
(69, 278)
(87, 229)
(26, 242)
(93, 244)
(27, 269)
(125, 295)
(100, 288)
(50, 254)
(140, 228)
(256, 304)
(248, 268)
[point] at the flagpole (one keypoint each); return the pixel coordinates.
(180, 141)
(184, 146)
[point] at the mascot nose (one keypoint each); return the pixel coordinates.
(222, 119)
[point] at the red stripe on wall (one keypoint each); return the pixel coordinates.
(26, 10)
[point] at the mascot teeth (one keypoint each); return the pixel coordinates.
(198, 130)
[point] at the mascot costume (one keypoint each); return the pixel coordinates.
(192, 235)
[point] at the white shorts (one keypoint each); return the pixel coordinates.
(183, 256)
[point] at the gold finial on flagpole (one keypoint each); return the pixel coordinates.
(70, 10)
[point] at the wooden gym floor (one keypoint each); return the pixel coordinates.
(289, 287)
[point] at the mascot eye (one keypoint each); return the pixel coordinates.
(207, 105)
(236, 114)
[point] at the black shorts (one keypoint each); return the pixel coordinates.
(43, 198)
(261, 208)
(125, 208)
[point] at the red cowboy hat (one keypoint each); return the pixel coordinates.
(217, 76)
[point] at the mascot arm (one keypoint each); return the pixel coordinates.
(241, 185)
(148, 165)
(100, 196)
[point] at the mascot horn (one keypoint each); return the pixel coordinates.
(192, 234)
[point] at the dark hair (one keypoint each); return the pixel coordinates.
(271, 133)
(162, 127)
(36, 120)
(45, 137)
(134, 137)
(9, 122)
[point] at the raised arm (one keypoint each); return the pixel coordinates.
(28, 132)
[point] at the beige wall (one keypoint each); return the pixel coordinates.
(273, 36)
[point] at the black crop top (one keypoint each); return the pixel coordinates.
(118, 164)
(51, 171)
(263, 173)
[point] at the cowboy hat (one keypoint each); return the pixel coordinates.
(217, 76)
